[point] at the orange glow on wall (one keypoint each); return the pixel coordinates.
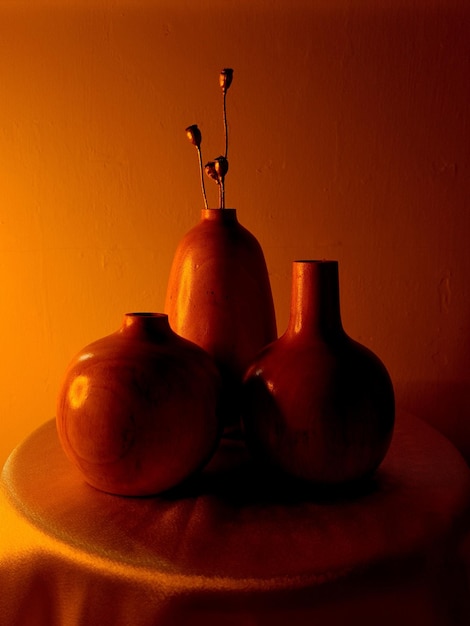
(349, 140)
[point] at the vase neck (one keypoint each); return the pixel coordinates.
(315, 307)
(148, 326)
(219, 215)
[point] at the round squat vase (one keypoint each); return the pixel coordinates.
(318, 405)
(136, 412)
(219, 296)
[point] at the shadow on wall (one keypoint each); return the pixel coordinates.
(444, 401)
(444, 405)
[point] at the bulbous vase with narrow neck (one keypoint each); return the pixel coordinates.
(219, 296)
(317, 404)
(137, 409)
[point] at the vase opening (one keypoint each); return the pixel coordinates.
(146, 314)
(141, 323)
(316, 261)
(219, 214)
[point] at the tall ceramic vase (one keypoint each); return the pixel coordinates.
(317, 404)
(219, 297)
(137, 410)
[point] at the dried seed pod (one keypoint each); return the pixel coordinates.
(221, 166)
(194, 135)
(218, 168)
(225, 78)
(210, 170)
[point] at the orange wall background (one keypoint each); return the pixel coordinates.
(350, 140)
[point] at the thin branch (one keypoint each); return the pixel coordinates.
(225, 122)
(222, 194)
(201, 170)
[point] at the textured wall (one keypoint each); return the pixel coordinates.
(349, 140)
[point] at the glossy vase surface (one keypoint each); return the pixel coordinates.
(317, 404)
(136, 412)
(219, 296)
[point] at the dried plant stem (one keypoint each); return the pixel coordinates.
(201, 171)
(225, 122)
(222, 194)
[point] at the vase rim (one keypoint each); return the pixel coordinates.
(212, 212)
(138, 322)
(219, 215)
(146, 314)
(317, 261)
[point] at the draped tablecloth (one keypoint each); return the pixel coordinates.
(236, 546)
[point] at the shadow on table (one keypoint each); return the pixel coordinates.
(232, 475)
